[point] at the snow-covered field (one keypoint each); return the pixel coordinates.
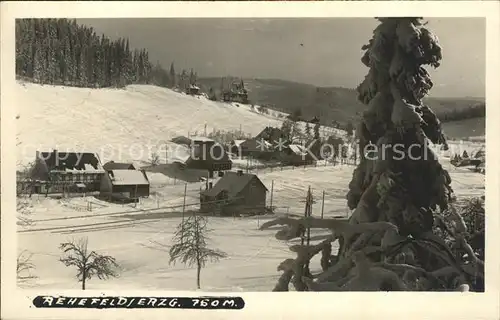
(88, 118)
(129, 234)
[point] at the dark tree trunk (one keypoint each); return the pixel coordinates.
(198, 271)
(84, 274)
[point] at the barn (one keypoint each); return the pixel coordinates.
(235, 193)
(125, 185)
(61, 172)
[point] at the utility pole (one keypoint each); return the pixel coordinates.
(307, 213)
(183, 212)
(272, 190)
(184, 202)
(135, 196)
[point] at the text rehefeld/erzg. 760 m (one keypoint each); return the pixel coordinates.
(235, 303)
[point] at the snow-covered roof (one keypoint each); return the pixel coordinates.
(87, 169)
(298, 149)
(181, 159)
(128, 177)
(238, 142)
(201, 139)
(180, 153)
(71, 161)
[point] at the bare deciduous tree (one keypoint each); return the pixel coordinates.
(24, 266)
(88, 264)
(23, 189)
(190, 245)
(155, 159)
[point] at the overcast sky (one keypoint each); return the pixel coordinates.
(271, 48)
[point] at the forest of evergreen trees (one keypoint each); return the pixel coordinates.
(59, 51)
(62, 52)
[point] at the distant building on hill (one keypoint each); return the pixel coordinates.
(235, 93)
(193, 90)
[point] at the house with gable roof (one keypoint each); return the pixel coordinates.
(235, 193)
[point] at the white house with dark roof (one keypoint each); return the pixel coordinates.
(59, 172)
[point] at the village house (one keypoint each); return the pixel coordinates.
(61, 172)
(250, 148)
(271, 135)
(235, 96)
(125, 185)
(111, 165)
(193, 90)
(236, 93)
(204, 154)
(234, 193)
(296, 155)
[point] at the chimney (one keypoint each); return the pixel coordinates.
(239, 172)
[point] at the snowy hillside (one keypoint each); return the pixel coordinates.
(120, 124)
